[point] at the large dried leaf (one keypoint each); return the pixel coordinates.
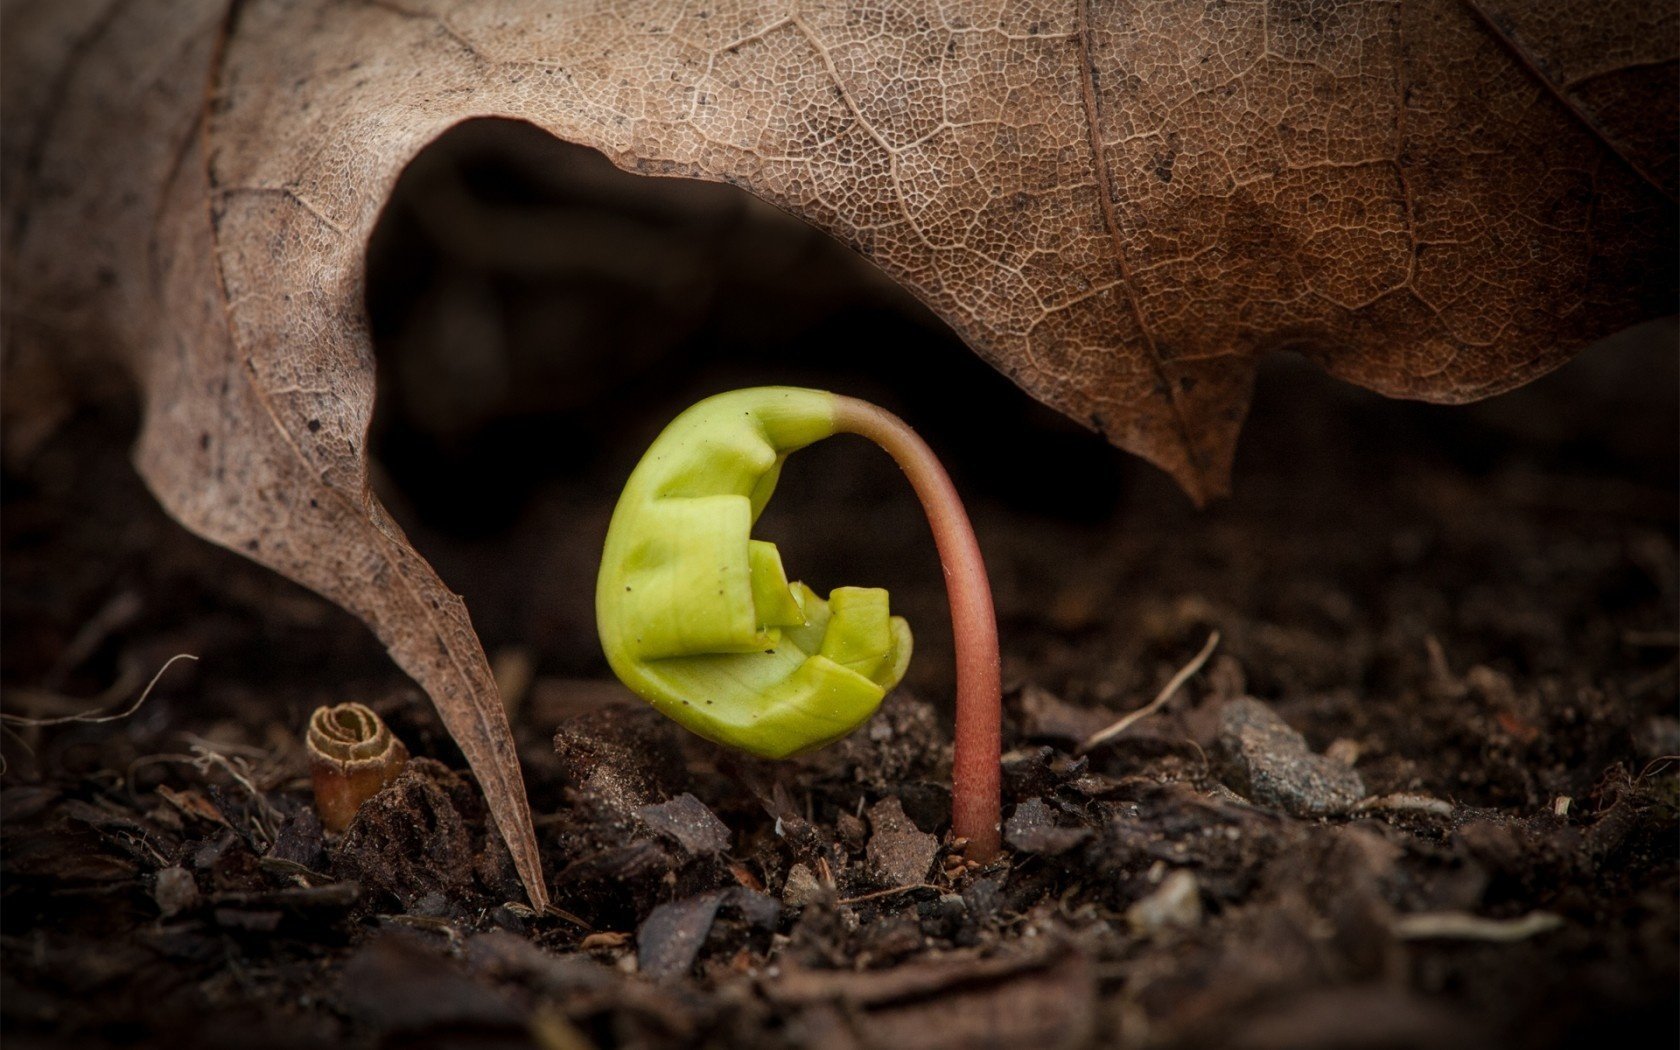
(1118, 204)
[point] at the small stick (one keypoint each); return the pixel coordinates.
(887, 893)
(1126, 722)
(1656, 765)
(1406, 802)
(1463, 926)
(89, 716)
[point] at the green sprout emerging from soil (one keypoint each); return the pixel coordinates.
(700, 619)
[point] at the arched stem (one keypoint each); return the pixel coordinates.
(976, 802)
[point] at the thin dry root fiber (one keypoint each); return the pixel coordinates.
(352, 754)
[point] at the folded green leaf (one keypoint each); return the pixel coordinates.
(700, 620)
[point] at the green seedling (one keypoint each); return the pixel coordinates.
(700, 619)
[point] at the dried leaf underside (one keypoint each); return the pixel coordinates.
(1118, 205)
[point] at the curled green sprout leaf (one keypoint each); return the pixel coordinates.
(700, 619)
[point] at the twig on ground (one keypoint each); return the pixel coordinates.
(1463, 926)
(1167, 692)
(1656, 766)
(524, 910)
(93, 716)
(1406, 802)
(887, 893)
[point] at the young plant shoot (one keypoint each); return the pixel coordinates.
(700, 620)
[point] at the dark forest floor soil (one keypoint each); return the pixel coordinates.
(1425, 793)
(1481, 660)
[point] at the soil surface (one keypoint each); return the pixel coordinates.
(1424, 793)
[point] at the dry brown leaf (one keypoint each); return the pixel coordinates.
(1120, 205)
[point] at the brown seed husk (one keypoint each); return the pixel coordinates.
(352, 755)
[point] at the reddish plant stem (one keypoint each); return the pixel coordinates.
(976, 802)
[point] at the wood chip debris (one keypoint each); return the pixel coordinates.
(1463, 926)
(1407, 802)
